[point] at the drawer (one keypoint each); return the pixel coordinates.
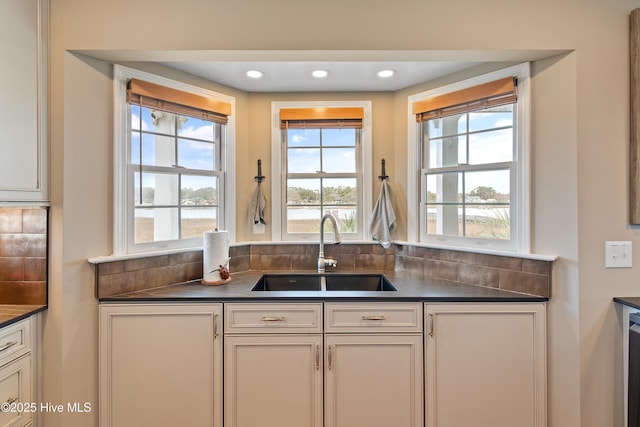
(272, 318)
(15, 389)
(373, 317)
(15, 340)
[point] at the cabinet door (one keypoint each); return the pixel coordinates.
(273, 380)
(15, 389)
(23, 100)
(373, 380)
(160, 365)
(485, 365)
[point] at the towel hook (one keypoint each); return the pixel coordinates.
(384, 173)
(259, 177)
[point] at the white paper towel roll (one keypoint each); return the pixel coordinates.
(215, 252)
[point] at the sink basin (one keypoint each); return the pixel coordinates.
(289, 282)
(323, 282)
(358, 282)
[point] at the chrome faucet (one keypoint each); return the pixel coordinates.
(322, 261)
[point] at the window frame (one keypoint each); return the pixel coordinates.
(519, 241)
(124, 200)
(279, 182)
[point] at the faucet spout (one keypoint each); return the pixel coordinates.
(322, 261)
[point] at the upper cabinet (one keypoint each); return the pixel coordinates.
(24, 33)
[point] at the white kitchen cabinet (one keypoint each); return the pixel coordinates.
(273, 365)
(161, 365)
(485, 365)
(373, 364)
(373, 380)
(18, 382)
(370, 368)
(273, 380)
(23, 101)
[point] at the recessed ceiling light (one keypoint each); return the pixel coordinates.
(254, 74)
(386, 73)
(320, 74)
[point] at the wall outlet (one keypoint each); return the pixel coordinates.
(618, 255)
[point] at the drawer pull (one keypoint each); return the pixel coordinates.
(374, 318)
(330, 358)
(273, 319)
(317, 357)
(8, 345)
(8, 402)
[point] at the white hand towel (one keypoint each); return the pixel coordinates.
(383, 219)
(257, 206)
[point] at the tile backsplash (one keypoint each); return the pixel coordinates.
(23, 255)
(504, 272)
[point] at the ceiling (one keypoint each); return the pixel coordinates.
(349, 70)
(295, 76)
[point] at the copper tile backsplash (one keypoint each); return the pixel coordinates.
(23, 255)
(510, 273)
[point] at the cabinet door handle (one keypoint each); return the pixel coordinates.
(273, 319)
(215, 326)
(9, 401)
(7, 345)
(374, 318)
(317, 357)
(330, 358)
(431, 325)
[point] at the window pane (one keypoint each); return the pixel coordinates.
(491, 147)
(135, 117)
(488, 186)
(158, 150)
(447, 126)
(303, 219)
(339, 160)
(339, 191)
(491, 118)
(339, 137)
(190, 127)
(196, 154)
(346, 217)
(447, 152)
(155, 224)
(157, 189)
(444, 220)
(303, 160)
(303, 138)
(303, 191)
(195, 221)
(484, 221)
(445, 187)
(199, 190)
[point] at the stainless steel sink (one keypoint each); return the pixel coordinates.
(360, 282)
(289, 282)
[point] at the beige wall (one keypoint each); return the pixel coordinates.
(579, 146)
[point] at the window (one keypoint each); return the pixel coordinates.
(472, 168)
(172, 175)
(321, 153)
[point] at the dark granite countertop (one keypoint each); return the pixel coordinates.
(11, 313)
(629, 301)
(409, 288)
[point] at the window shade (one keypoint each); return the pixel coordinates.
(492, 94)
(299, 118)
(158, 97)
